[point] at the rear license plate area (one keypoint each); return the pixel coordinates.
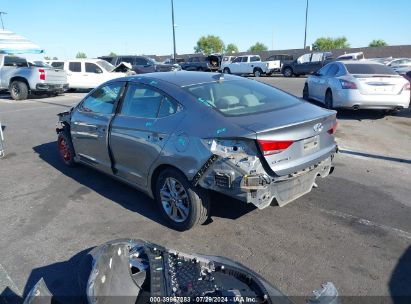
(311, 144)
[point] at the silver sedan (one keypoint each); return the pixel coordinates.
(358, 85)
(175, 135)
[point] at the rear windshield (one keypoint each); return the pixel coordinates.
(369, 69)
(241, 97)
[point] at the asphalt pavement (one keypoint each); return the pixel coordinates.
(353, 230)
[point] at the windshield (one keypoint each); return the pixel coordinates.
(241, 97)
(369, 69)
(105, 65)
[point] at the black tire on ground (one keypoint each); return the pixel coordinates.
(196, 200)
(288, 72)
(19, 90)
(65, 148)
(257, 72)
(328, 101)
(306, 93)
(226, 71)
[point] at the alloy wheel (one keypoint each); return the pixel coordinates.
(175, 200)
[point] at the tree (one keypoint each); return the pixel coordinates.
(209, 44)
(231, 48)
(112, 54)
(47, 58)
(377, 43)
(258, 47)
(81, 55)
(327, 43)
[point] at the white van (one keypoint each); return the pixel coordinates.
(87, 73)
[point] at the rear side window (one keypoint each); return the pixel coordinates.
(75, 67)
(254, 58)
(15, 61)
(332, 71)
(317, 57)
(369, 69)
(58, 65)
(241, 97)
(141, 61)
(102, 100)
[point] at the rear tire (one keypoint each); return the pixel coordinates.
(19, 90)
(328, 101)
(306, 95)
(257, 72)
(66, 149)
(181, 204)
(288, 72)
(226, 71)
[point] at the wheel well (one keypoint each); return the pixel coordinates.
(18, 78)
(257, 69)
(157, 172)
(328, 90)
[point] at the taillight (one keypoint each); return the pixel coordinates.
(333, 129)
(348, 85)
(407, 87)
(42, 74)
(269, 147)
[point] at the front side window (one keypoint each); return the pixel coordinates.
(237, 59)
(102, 100)
(93, 68)
(141, 61)
(241, 97)
(75, 67)
(304, 58)
(245, 59)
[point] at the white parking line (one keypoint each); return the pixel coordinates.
(32, 109)
(6, 281)
(365, 222)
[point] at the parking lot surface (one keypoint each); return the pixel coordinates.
(353, 230)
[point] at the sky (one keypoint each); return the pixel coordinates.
(97, 28)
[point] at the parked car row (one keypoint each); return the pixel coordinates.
(358, 85)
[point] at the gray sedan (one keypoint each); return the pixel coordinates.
(358, 85)
(176, 135)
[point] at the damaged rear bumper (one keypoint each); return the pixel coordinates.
(256, 186)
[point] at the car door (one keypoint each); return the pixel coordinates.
(314, 64)
(93, 75)
(74, 74)
(302, 64)
(325, 79)
(144, 65)
(235, 65)
(90, 123)
(139, 131)
(315, 81)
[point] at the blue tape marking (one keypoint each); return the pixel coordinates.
(221, 130)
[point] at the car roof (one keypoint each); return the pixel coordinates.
(184, 78)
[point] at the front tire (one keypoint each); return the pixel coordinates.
(226, 71)
(19, 90)
(182, 205)
(66, 149)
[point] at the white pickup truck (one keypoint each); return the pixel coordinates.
(247, 64)
(21, 77)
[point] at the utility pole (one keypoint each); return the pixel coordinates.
(174, 30)
(1, 18)
(306, 18)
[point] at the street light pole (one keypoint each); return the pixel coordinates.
(1, 18)
(174, 30)
(306, 18)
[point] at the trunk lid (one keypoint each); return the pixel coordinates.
(304, 127)
(379, 84)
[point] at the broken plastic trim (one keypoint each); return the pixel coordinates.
(203, 169)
